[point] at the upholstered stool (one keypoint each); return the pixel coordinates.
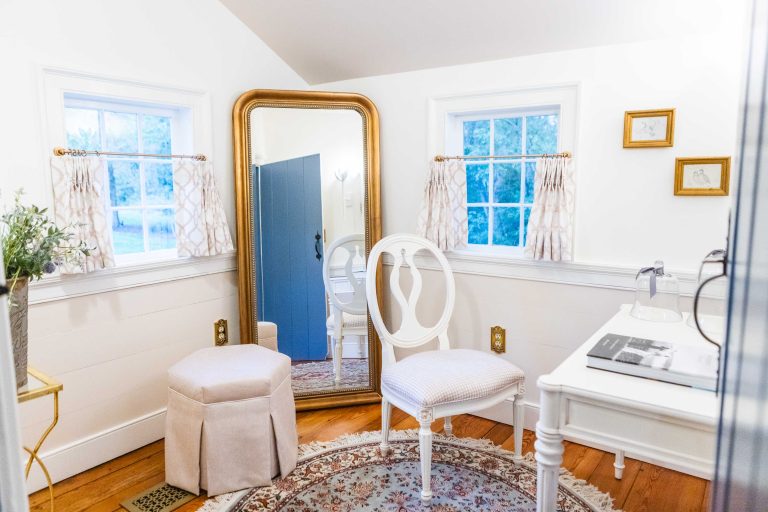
(231, 420)
(267, 335)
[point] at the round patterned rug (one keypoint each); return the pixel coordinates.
(350, 475)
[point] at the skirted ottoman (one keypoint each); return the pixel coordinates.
(231, 421)
(267, 335)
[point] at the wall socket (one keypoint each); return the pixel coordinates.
(498, 339)
(220, 332)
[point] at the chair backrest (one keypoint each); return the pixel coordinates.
(403, 248)
(352, 301)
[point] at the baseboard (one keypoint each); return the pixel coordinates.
(99, 448)
(503, 413)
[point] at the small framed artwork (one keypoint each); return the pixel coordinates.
(702, 176)
(649, 128)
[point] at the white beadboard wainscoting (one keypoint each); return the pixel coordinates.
(112, 351)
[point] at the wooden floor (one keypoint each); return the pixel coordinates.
(644, 487)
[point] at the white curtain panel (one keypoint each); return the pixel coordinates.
(201, 226)
(443, 218)
(550, 225)
(79, 202)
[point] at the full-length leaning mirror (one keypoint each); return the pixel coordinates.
(307, 187)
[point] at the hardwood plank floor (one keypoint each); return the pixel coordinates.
(644, 488)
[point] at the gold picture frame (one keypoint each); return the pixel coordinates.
(702, 176)
(642, 128)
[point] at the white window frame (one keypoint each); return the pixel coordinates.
(180, 136)
(446, 114)
(455, 138)
(194, 107)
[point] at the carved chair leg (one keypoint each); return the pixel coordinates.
(338, 352)
(386, 412)
(425, 452)
(518, 418)
(448, 426)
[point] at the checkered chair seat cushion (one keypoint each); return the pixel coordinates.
(350, 321)
(439, 377)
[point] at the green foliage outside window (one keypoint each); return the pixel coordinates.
(500, 192)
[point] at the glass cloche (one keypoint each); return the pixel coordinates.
(657, 295)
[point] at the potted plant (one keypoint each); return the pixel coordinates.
(32, 246)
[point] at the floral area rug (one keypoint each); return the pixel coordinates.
(350, 475)
(312, 376)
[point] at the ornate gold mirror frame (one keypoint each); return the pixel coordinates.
(241, 123)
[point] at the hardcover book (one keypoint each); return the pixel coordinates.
(659, 360)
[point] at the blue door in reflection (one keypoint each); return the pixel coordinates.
(289, 250)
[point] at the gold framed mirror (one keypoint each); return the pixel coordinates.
(306, 182)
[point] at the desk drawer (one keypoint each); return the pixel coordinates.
(658, 438)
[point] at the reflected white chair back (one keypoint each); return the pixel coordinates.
(411, 333)
(346, 296)
(353, 302)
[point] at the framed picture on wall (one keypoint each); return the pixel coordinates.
(702, 176)
(649, 128)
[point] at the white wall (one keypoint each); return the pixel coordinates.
(626, 214)
(112, 350)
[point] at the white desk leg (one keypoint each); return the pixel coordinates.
(549, 450)
(618, 465)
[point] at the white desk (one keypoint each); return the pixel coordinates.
(664, 424)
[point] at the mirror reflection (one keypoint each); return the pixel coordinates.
(308, 186)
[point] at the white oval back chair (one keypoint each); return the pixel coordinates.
(439, 383)
(348, 305)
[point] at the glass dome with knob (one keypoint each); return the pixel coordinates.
(657, 295)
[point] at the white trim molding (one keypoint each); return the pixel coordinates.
(99, 448)
(56, 83)
(564, 96)
(579, 274)
(119, 278)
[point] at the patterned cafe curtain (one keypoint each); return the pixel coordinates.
(550, 225)
(443, 218)
(201, 227)
(78, 188)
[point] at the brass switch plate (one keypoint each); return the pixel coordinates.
(220, 332)
(498, 339)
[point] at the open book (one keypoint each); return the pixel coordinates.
(686, 365)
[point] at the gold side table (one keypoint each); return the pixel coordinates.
(40, 385)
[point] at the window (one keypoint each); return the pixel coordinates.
(140, 190)
(500, 190)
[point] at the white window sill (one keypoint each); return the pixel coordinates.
(58, 287)
(491, 251)
(509, 266)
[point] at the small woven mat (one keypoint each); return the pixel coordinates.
(160, 498)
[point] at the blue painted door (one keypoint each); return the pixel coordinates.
(289, 227)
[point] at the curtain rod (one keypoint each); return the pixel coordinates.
(82, 152)
(442, 158)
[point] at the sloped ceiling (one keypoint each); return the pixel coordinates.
(331, 40)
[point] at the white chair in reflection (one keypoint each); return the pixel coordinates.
(438, 383)
(346, 295)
